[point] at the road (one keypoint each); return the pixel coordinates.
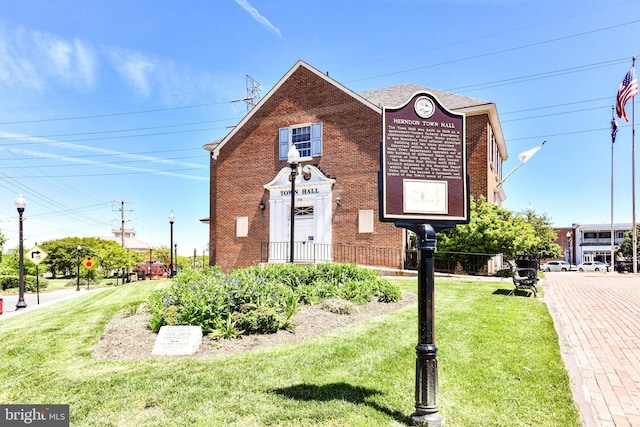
(46, 298)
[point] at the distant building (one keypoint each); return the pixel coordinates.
(128, 240)
(590, 242)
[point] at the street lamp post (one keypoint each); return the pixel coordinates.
(78, 273)
(175, 246)
(293, 156)
(569, 239)
(172, 218)
(150, 263)
(20, 205)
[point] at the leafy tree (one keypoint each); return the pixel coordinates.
(492, 229)
(3, 239)
(64, 254)
(626, 247)
(112, 256)
(10, 265)
(544, 246)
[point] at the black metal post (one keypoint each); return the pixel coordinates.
(426, 413)
(171, 269)
(78, 273)
(21, 302)
(294, 166)
(37, 286)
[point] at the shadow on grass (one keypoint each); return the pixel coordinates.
(518, 293)
(340, 391)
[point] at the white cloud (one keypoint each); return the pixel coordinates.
(135, 68)
(36, 60)
(68, 147)
(71, 62)
(257, 17)
(15, 68)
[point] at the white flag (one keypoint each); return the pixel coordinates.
(529, 153)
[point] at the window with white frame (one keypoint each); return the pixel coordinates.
(306, 137)
(494, 154)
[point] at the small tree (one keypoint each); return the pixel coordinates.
(626, 247)
(543, 246)
(3, 239)
(493, 229)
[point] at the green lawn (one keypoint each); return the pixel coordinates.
(499, 365)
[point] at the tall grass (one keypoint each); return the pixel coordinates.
(499, 365)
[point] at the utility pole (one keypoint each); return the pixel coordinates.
(122, 210)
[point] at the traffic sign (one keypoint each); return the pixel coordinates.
(36, 255)
(88, 262)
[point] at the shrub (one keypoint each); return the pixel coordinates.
(388, 292)
(339, 306)
(84, 282)
(9, 282)
(258, 320)
(260, 299)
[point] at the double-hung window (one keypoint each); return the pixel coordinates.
(306, 137)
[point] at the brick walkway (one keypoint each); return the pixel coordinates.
(597, 316)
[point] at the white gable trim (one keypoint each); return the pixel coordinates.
(277, 86)
(316, 180)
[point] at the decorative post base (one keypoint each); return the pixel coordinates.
(428, 420)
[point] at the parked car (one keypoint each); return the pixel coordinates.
(592, 266)
(555, 266)
(602, 265)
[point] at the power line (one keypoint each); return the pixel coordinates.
(126, 113)
(116, 130)
(496, 52)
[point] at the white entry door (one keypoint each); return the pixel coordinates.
(304, 234)
(312, 220)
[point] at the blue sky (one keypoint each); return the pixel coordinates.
(108, 101)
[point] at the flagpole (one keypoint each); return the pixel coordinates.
(613, 140)
(524, 158)
(633, 178)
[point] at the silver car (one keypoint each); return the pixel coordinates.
(555, 266)
(592, 266)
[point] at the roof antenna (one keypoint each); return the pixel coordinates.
(253, 93)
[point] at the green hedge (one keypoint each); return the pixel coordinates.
(9, 282)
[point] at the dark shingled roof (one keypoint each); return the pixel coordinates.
(395, 96)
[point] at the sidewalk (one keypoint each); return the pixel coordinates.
(597, 317)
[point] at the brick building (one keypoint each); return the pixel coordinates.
(338, 133)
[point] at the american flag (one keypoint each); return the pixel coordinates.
(627, 90)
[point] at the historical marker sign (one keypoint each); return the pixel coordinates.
(423, 163)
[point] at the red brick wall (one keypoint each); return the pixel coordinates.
(351, 148)
(477, 155)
